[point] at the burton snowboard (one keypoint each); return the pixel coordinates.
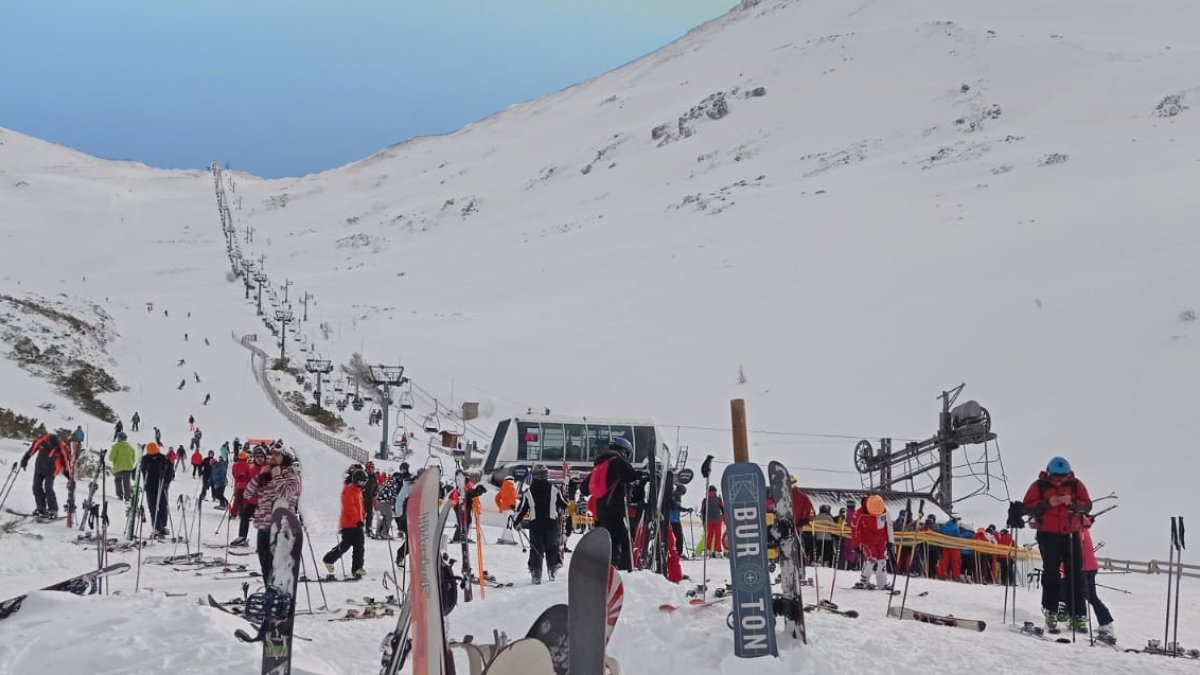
(753, 617)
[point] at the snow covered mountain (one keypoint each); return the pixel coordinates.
(856, 205)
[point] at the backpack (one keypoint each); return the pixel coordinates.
(598, 481)
(802, 509)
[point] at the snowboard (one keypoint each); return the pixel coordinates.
(615, 601)
(746, 522)
(527, 656)
(791, 556)
(419, 629)
(587, 602)
(87, 583)
(279, 603)
(551, 627)
(937, 619)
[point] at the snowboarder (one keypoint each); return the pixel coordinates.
(1054, 501)
(276, 485)
(123, 459)
(872, 533)
(713, 510)
(157, 474)
(181, 363)
(197, 376)
(207, 398)
(244, 470)
(544, 504)
(51, 458)
(182, 384)
(135, 422)
(351, 524)
(611, 476)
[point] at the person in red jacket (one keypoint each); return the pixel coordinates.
(1055, 504)
(353, 533)
(51, 458)
(872, 533)
(243, 470)
(1007, 565)
(197, 463)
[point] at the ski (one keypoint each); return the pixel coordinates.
(87, 583)
(889, 591)
(825, 607)
(463, 511)
(937, 620)
(36, 517)
(791, 556)
(72, 457)
(746, 521)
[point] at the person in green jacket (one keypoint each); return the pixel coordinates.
(123, 458)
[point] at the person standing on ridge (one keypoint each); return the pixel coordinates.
(543, 503)
(351, 524)
(276, 485)
(612, 475)
(123, 459)
(51, 458)
(1055, 502)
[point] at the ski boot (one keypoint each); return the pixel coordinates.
(535, 576)
(863, 586)
(552, 572)
(1079, 624)
(1051, 619)
(329, 569)
(359, 573)
(240, 541)
(1107, 634)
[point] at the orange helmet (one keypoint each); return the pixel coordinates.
(875, 505)
(152, 448)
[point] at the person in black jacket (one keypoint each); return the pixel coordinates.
(543, 503)
(157, 474)
(51, 458)
(611, 507)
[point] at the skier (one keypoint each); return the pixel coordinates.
(951, 558)
(191, 423)
(244, 470)
(824, 540)
(171, 457)
(544, 503)
(225, 451)
(276, 485)
(872, 533)
(237, 445)
(351, 523)
(135, 422)
(206, 469)
(196, 436)
(1054, 501)
(713, 510)
(218, 480)
(77, 436)
(370, 490)
(506, 503)
(197, 460)
(118, 428)
(182, 384)
(157, 474)
(158, 436)
(1106, 632)
(207, 398)
(677, 516)
(197, 376)
(51, 458)
(123, 459)
(611, 477)
(181, 458)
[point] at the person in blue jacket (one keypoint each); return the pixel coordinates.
(218, 479)
(951, 558)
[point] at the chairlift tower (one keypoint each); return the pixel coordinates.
(885, 469)
(261, 279)
(283, 316)
(319, 367)
(386, 377)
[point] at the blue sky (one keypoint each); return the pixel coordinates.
(288, 88)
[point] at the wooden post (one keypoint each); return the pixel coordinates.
(741, 443)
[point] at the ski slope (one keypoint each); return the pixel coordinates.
(920, 196)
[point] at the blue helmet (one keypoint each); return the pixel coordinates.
(1059, 466)
(621, 445)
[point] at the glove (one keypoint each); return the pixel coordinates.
(24, 463)
(1016, 515)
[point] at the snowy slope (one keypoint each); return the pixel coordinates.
(925, 195)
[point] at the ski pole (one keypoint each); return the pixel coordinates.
(1182, 544)
(1170, 571)
(9, 482)
(1073, 541)
(896, 569)
(706, 471)
(313, 553)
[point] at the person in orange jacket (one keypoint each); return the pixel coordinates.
(352, 523)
